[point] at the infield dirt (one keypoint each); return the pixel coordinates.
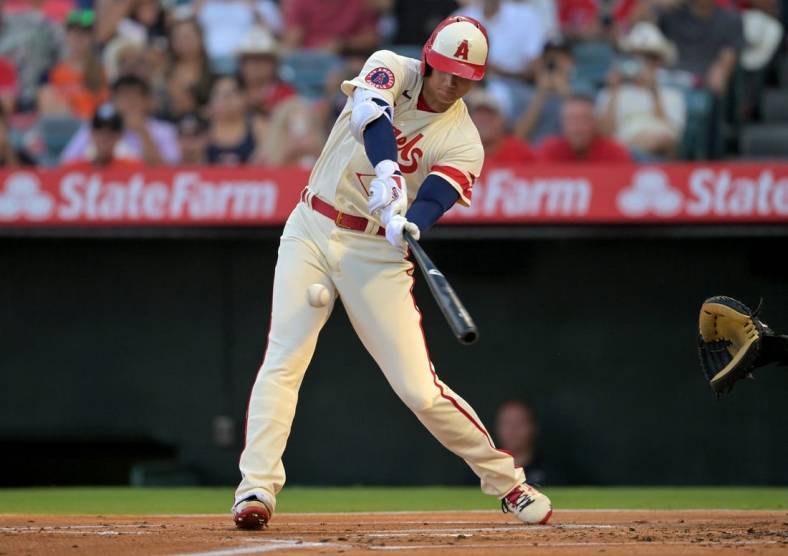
(608, 533)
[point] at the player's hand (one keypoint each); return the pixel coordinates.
(387, 188)
(387, 197)
(395, 228)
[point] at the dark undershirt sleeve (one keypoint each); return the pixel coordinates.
(435, 197)
(379, 142)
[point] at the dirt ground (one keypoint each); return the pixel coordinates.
(607, 533)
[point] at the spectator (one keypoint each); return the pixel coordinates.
(553, 72)
(153, 141)
(708, 39)
(9, 155)
(293, 135)
(106, 133)
(512, 51)
(225, 23)
(138, 20)
(124, 56)
(500, 147)
(9, 86)
(187, 77)
(235, 136)
(259, 71)
(580, 140)
(580, 19)
(635, 108)
(76, 85)
(55, 10)
(33, 43)
(193, 139)
(517, 431)
(338, 26)
(327, 110)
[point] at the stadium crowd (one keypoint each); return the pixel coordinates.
(235, 82)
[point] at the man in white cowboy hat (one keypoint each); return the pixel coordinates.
(635, 108)
(258, 67)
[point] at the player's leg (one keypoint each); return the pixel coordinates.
(375, 286)
(292, 337)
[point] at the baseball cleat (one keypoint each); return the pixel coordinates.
(251, 514)
(528, 504)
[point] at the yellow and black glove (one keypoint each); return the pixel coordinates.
(733, 342)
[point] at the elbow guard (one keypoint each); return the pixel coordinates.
(367, 107)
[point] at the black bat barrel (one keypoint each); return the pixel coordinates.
(455, 312)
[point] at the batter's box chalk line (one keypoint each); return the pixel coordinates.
(268, 545)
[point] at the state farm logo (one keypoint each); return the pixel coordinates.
(505, 194)
(183, 196)
(22, 197)
(650, 193)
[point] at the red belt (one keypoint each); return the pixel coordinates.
(341, 219)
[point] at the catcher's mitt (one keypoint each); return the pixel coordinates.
(733, 342)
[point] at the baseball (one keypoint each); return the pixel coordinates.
(318, 295)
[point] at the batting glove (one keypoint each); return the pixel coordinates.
(395, 228)
(387, 189)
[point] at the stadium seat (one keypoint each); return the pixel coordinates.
(764, 141)
(775, 105)
(307, 71)
(56, 132)
(593, 61)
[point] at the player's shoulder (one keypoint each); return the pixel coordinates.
(465, 131)
(392, 60)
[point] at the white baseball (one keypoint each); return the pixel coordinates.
(318, 295)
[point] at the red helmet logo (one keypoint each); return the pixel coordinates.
(462, 50)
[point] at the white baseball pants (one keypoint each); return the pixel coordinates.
(375, 282)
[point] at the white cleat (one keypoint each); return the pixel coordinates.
(528, 504)
(251, 514)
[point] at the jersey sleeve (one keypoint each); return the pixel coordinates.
(383, 73)
(460, 166)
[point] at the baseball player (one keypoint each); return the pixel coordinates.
(401, 153)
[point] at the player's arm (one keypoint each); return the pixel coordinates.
(436, 195)
(449, 181)
(372, 94)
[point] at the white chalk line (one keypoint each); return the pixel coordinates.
(491, 546)
(452, 531)
(268, 545)
(100, 530)
(38, 528)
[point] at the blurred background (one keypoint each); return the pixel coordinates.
(128, 344)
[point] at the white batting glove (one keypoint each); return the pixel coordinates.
(395, 228)
(387, 189)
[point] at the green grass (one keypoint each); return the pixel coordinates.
(303, 499)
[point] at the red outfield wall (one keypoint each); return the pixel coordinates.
(534, 194)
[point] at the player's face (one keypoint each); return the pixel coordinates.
(447, 88)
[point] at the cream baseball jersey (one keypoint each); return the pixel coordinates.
(443, 143)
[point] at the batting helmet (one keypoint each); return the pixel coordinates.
(458, 45)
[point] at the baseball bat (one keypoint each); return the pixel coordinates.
(455, 312)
